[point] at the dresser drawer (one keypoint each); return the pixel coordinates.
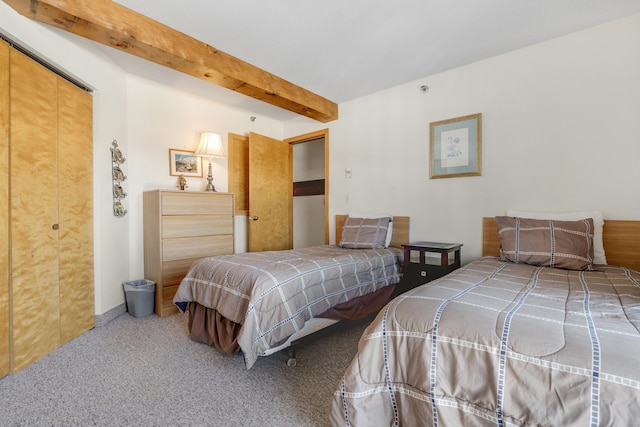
(174, 271)
(196, 204)
(196, 225)
(196, 247)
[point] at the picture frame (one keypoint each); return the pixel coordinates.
(456, 147)
(184, 162)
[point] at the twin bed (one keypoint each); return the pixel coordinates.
(260, 302)
(508, 340)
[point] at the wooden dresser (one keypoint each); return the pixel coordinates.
(180, 228)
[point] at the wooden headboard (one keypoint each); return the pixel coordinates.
(621, 241)
(400, 226)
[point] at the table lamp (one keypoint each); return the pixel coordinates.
(210, 146)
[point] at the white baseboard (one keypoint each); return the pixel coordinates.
(104, 318)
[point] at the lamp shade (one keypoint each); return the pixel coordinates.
(210, 145)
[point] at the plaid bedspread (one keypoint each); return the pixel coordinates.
(272, 294)
(501, 344)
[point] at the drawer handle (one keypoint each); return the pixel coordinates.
(55, 226)
(253, 218)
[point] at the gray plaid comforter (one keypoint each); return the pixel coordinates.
(501, 344)
(272, 294)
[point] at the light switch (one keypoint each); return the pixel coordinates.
(347, 172)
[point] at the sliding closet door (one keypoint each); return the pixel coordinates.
(34, 210)
(4, 209)
(75, 160)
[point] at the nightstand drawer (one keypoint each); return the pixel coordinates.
(424, 274)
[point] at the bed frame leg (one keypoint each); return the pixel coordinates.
(291, 352)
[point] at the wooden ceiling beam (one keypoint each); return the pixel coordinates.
(114, 25)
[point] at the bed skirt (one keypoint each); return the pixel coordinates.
(208, 326)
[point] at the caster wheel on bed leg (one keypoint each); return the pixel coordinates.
(291, 352)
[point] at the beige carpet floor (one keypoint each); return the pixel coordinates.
(147, 372)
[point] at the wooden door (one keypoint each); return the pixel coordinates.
(270, 194)
(34, 210)
(75, 159)
(238, 172)
(4, 209)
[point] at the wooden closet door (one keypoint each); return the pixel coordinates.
(34, 210)
(75, 160)
(4, 209)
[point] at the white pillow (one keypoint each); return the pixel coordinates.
(598, 223)
(374, 216)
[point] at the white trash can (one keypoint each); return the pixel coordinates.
(140, 296)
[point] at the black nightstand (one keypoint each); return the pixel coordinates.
(427, 261)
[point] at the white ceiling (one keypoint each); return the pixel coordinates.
(345, 49)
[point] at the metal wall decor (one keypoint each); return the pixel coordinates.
(118, 177)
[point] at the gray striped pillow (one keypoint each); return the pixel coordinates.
(364, 233)
(547, 243)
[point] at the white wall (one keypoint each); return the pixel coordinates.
(559, 133)
(161, 117)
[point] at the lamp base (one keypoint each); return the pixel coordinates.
(210, 187)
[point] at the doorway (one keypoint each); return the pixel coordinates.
(312, 151)
(310, 189)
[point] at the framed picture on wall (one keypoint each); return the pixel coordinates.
(184, 162)
(455, 147)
